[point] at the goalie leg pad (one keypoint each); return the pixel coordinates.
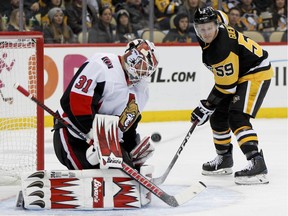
(80, 189)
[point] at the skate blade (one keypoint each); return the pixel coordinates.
(225, 171)
(252, 180)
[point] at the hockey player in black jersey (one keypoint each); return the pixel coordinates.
(242, 75)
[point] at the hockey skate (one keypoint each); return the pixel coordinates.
(254, 173)
(221, 165)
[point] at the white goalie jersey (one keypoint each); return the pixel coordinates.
(101, 87)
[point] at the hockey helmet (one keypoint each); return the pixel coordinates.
(141, 59)
(205, 15)
(206, 24)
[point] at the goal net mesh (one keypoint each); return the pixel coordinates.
(18, 115)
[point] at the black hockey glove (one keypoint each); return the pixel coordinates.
(202, 113)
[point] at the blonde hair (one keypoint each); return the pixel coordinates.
(13, 20)
(59, 34)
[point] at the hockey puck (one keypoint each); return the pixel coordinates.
(156, 137)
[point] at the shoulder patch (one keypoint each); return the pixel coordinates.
(129, 115)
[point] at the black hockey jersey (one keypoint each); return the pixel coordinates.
(233, 58)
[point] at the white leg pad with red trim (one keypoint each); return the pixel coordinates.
(82, 189)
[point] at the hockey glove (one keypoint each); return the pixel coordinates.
(202, 113)
(142, 152)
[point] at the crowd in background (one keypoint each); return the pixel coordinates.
(122, 21)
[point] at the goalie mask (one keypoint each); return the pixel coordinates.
(206, 24)
(141, 60)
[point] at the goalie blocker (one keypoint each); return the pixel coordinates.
(83, 189)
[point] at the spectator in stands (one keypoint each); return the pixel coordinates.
(30, 9)
(57, 31)
(74, 16)
(13, 24)
(279, 14)
(284, 37)
(263, 5)
(181, 32)
(12, 5)
(250, 16)
(234, 19)
(3, 22)
(31, 6)
(189, 7)
(163, 11)
(107, 3)
(226, 5)
(94, 4)
(124, 29)
(139, 13)
(102, 31)
(45, 8)
(4, 6)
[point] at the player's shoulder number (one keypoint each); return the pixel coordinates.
(251, 45)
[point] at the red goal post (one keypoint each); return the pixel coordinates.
(21, 121)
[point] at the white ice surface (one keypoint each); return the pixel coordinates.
(222, 196)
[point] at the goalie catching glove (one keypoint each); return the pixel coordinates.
(202, 113)
(142, 151)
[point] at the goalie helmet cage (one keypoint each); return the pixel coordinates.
(21, 122)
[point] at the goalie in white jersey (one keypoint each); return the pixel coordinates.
(111, 85)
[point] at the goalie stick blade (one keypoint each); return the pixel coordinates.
(189, 193)
(173, 201)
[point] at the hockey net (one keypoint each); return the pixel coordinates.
(21, 121)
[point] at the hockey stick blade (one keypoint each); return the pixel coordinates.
(162, 178)
(173, 201)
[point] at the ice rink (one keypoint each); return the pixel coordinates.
(222, 196)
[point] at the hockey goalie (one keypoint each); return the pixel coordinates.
(103, 101)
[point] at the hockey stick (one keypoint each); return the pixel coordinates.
(173, 201)
(163, 177)
(9, 100)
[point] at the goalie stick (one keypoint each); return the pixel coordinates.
(162, 178)
(173, 201)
